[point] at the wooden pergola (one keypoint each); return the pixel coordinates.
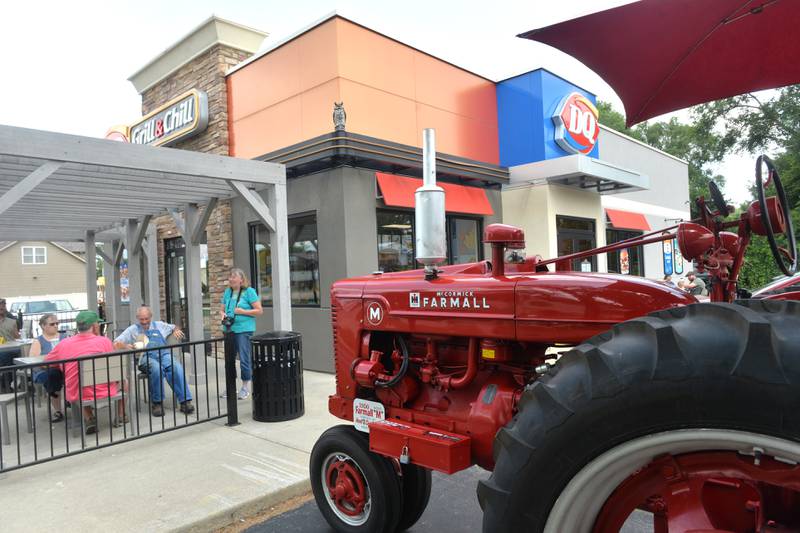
(62, 187)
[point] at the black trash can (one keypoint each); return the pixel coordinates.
(277, 376)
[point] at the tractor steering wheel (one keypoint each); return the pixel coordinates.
(719, 200)
(780, 256)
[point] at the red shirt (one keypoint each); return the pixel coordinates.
(80, 345)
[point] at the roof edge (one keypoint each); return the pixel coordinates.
(172, 64)
(333, 15)
(637, 141)
(79, 258)
(7, 246)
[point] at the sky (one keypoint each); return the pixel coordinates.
(66, 64)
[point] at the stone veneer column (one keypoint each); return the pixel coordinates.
(206, 72)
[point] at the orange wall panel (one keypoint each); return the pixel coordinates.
(267, 130)
(317, 109)
(319, 57)
(371, 59)
(441, 85)
(380, 114)
(266, 81)
(390, 91)
(459, 135)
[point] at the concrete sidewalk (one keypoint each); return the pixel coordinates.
(193, 479)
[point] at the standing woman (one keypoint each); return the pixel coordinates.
(240, 305)
(50, 376)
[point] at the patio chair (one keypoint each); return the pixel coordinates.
(23, 396)
(104, 370)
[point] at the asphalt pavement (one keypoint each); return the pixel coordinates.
(453, 508)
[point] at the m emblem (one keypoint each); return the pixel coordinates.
(374, 313)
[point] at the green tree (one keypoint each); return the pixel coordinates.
(697, 143)
(759, 267)
(758, 124)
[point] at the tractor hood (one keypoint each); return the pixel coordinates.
(546, 307)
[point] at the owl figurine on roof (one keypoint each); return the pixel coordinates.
(339, 116)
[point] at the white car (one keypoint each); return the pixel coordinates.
(33, 310)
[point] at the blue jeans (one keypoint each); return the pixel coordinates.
(241, 342)
(159, 365)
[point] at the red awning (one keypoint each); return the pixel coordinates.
(627, 220)
(398, 191)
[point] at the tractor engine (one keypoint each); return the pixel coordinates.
(468, 386)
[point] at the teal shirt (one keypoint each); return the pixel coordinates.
(243, 323)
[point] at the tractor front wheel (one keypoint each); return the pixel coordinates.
(692, 414)
(416, 493)
(356, 490)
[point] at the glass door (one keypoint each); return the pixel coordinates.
(577, 235)
(175, 268)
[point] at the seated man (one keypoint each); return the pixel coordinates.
(157, 364)
(87, 342)
(696, 286)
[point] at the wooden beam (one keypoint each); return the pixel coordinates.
(141, 231)
(104, 256)
(279, 246)
(91, 271)
(200, 227)
(28, 183)
(23, 142)
(178, 219)
(118, 255)
(254, 201)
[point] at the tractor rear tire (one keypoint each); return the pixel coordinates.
(369, 498)
(733, 368)
(416, 494)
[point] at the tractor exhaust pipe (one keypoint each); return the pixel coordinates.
(429, 210)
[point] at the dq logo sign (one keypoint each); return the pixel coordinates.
(576, 124)
(374, 313)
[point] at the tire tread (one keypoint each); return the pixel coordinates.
(713, 344)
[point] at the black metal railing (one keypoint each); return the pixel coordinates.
(108, 399)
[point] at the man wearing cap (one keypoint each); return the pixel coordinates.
(696, 286)
(9, 331)
(157, 364)
(88, 341)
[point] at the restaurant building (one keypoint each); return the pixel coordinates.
(343, 107)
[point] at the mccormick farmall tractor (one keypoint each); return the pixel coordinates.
(689, 411)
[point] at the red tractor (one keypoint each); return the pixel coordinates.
(690, 411)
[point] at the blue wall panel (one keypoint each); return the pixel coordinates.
(525, 106)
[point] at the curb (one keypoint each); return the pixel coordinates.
(246, 509)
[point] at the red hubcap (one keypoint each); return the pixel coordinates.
(708, 491)
(346, 487)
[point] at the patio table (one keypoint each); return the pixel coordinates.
(22, 346)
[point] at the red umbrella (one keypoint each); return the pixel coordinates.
(663, 55)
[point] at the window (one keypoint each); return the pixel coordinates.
(34, 255)
(464, 240)
(396, 240)
(577, 235)
(627, 260)
(303, 261)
